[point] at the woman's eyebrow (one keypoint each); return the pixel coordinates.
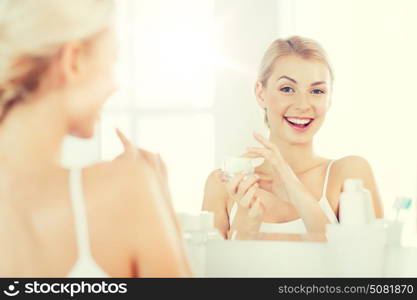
(286, 77)
(318, 83)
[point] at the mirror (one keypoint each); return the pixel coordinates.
(190, 69)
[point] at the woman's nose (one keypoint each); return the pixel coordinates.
(303, 103)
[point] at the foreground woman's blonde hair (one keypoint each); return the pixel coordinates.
(51, 24)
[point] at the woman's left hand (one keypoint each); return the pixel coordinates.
(281, 171)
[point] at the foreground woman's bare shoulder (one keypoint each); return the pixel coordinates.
(126, 188)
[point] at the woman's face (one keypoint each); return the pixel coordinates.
(296, 98)
(93, 85)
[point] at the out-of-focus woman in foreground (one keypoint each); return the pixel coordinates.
(108, 219)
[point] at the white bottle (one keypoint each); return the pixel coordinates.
(198, 229)
(355, 204)
(357, 244)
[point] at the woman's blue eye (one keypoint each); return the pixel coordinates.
(287, 89)
(318, 91)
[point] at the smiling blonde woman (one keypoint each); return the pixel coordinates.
(294, 191)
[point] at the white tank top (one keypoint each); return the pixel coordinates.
(296, 226)
(85, 266)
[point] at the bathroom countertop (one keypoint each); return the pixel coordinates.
(302, 259)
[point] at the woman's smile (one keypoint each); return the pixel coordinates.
(300, 124)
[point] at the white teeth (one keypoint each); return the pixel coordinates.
(299, 121)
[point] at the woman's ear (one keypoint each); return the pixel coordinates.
(260, 94)
(70, 61)
(65, 66)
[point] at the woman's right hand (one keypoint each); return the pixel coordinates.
(243, 189)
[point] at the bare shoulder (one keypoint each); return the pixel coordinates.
(214, 178)
(357, 167)
(116, 191)
(351, 166)
(112, 174)
(214, 188)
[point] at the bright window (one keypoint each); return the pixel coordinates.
(166, 97)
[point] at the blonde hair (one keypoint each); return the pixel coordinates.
(33, 31)
(295, 45)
